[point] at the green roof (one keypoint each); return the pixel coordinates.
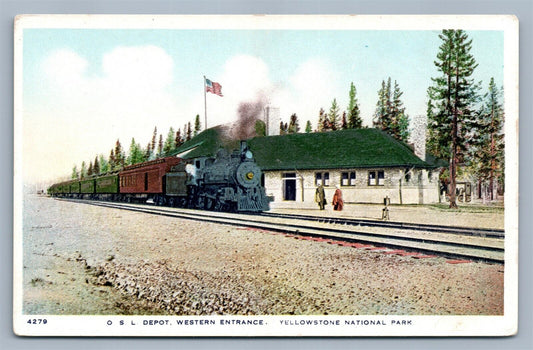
(206, 144)
(352, 148)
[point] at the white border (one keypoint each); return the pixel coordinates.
(284, 325)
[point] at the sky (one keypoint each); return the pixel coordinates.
(82, 89)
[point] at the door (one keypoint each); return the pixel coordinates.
(289, 186)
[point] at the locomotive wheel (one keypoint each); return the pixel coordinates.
(171, 202)
(209, 204)
(201, 202)
(160, 201)
(219, 206)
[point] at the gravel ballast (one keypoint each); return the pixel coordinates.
(83, 259)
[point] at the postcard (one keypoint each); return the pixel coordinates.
(265, 175)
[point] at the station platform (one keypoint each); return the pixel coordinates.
(467, 215)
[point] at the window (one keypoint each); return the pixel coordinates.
(322, 179)
(376, 178)
(348, 178)
(381, 178)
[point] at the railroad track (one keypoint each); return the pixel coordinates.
(459, 230)
(452, 245)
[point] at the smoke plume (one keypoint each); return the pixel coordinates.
(248, 114)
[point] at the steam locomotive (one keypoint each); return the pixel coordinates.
(229, 182)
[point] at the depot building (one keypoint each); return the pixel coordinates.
(366, 164)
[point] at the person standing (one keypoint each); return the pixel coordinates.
(337, 200)
(320, 197)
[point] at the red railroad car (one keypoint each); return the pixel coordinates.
(148, 177)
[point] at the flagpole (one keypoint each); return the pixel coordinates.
(205, 106)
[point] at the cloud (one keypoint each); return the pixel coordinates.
(246, 78)
(145, 68)
(313, 85)
(64, 70)
(87, 110)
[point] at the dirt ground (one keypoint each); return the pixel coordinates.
(468, 215)
(80, 259)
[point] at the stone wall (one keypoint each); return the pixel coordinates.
(405, 186)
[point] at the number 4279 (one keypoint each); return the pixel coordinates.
(37, 321)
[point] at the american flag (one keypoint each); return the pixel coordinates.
(211, 86)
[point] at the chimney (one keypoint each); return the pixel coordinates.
(418, 136)
(244, 146)
(271, 119)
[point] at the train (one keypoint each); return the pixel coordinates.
(229, 181)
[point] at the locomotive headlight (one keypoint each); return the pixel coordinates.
(248, 175)
(248, 155)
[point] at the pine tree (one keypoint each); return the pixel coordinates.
(189, 132)
(90, 169)
(104, 164)
(120, 158)
(455, 95)
(135, 154)
(197, 125)
(487, 139)
(283, 128)
(380, 120)
(160, 147)
(83, 171)
(154, 139)
(354, 118)
(96, 166)
(321, 120)
(403, 125)
(388, 105)
(75, 173)
(308, 127)
(344, 122)
(432, 145)
(390, 113)
(399, 121)
(112, 161)
(169, 144)
(294, 125)
(260, 128)
(178, 140)
(326, 124)
(147, 152)
(333, 115)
